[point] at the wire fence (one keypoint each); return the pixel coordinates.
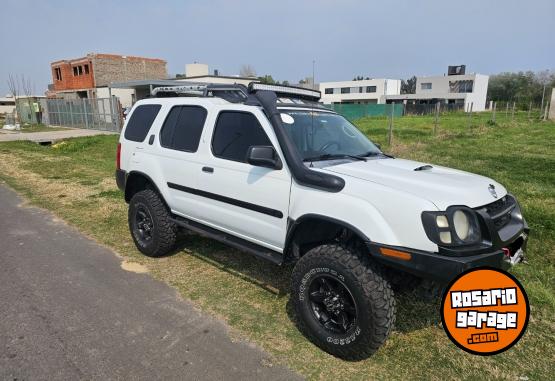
(96, 113)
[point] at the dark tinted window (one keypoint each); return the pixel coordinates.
(140, 122)
(183, 127)
(345, 90)
(329, 90)
(234, 133)
(370, 89)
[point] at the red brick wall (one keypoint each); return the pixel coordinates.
(70, 81)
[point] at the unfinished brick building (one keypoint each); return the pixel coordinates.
(82, 77)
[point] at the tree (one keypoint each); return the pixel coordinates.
(520, 87)
(358, 78)
(268, 80)
(408, 86)
(247, 71)
(29, 90)
(13, 86)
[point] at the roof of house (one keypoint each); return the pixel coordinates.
(108, 56)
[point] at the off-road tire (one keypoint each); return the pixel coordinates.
(164, 231)
(369, 289)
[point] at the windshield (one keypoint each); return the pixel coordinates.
(323, 135)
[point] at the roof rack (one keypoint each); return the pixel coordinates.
(235, 93)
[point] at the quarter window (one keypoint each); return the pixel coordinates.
(182, 128)
(140, 122)
(234, 133)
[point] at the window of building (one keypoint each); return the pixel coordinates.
(461, 86)
(345, 90)
(86, 68)
(234, 133)
(370, 89)
(140, 122)
(329, 90)
(75, 72)
(182, 128)
(426, 86)
(80, 69)
(58, 73)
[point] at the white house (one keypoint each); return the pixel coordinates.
(7, 104)
(361, 92)
(467, 89)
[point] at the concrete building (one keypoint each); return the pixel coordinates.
(468, 90)
(360, 92)
(7, 105)
(90, 76)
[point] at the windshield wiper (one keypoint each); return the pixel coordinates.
(330, 156)
(373, 153)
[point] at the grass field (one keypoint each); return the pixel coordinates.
(75, 181)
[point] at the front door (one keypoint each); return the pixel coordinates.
(245, 200)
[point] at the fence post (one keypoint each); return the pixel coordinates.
(85, 113)
(494, 110)
(507, 110)
(470, 115)
(390, 134)
(436, 119)
(71, 112)
(529, 110)
(513, 112)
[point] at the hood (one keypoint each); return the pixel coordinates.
(440, 185)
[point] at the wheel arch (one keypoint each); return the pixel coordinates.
(137, 181)
(311, 229)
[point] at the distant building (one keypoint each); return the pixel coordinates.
(7, 105)
(194, 74)
(89, 76)
(360, 92)
(467, 90)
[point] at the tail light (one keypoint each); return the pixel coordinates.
(118, 157)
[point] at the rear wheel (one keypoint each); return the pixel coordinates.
(149, 222)
(342, 301)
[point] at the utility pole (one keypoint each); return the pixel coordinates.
(313, 78)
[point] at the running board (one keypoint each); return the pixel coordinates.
(230, 240)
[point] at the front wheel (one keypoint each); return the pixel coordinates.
(342, 301)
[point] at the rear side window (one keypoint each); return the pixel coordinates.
(182, 128)
(140, 122)
(234, 133)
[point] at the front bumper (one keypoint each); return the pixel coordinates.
(443, 268)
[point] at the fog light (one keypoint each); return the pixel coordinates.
(442, 222)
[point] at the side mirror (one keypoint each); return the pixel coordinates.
(264, 156)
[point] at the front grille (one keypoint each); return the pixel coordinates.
(500, 211)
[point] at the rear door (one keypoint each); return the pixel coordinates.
(177, 155)
(245, 200)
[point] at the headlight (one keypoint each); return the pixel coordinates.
(458, 225)
(461, 224)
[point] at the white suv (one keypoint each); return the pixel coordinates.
(268, 170)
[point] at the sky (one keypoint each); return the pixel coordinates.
(386, 39)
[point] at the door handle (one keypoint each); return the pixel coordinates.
(208, 169)
(151, 139)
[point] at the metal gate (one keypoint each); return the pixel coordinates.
(94, 113)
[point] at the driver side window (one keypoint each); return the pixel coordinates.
(234, 133)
